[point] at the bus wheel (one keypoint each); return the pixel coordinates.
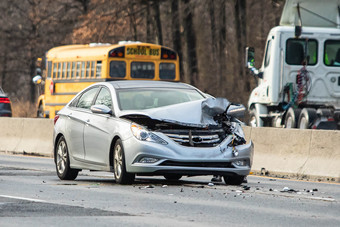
(292, 117)
(40, 112)
(307, 117)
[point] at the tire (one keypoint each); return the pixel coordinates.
(306, 118)
(172, 176)
(233, 180)
(40, 112)
(253, 122)
(292, 117)
(62, 161)
(119, 166)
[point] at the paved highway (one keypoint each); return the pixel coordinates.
(32, 195)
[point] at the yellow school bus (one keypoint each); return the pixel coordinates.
(71, 68)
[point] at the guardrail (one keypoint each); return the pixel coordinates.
(306, 154)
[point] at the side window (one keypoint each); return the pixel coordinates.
(93, 64)
(55, 70)
(295, 51)
(49, 69)
(117, 69)
(88, 65)
(86, 99)
(83, 69)
(74, 69)
(64, 70)
(268, 53)
(332, 53)
(98, 68)
(68, 70)
(104, 98)
(59, 70)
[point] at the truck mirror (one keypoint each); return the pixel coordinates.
(250, 62)
(250, 57)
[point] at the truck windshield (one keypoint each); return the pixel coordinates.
(295, 51)
(332, 53)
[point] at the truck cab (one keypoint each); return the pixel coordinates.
(299, 79)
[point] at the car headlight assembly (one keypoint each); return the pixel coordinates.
(144, 135)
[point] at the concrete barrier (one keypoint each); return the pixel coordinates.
(312, 154)
(26, 136)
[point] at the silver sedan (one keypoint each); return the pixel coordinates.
(150, 128)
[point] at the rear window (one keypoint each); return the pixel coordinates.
(295, 50)
(167, 71)
(143, 70)
(332, 53)
(117, 69)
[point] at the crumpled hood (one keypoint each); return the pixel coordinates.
(196, 113)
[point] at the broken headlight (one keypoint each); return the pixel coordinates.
(144, 135)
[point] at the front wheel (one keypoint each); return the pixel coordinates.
(121, 176)
(40, 112)
(233, 180)
(253, 122)
(62, 161)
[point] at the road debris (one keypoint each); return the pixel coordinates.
(147, 187)
(211, 184)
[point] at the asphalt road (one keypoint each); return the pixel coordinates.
(31, 194)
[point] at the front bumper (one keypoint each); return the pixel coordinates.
(175, 158)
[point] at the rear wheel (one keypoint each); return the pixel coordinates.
(233, 180)
(62, 161)
(307, 117)
(172, 177)
(121, 176)
(292, 117)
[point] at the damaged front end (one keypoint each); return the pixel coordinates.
(217, 122)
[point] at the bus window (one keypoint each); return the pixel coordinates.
(54, 70)
(59, 70)
(167, 71)
(63, 75)
(49, 69)
(117, 69)
(88, 68)
(143, 70)
(93, 64)
(78, 68)
(98, 68)
(83, 69)
(68, 70)
(74, 70)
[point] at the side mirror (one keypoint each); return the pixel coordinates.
(250, 62)
(236, 110)
(250, 57)
(100, 109)
(37, 79)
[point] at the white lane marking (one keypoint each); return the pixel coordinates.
(23, 198)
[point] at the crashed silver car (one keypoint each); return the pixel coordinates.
(150, 128)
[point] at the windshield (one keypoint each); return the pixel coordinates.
(148, 98)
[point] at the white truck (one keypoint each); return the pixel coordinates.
(299, 80)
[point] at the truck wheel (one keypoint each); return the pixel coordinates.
(292, 117)
(307, 117)
(253, 118)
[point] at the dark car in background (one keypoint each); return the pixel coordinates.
(5, 105)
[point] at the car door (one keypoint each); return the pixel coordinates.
(98, 130)
(76, 121)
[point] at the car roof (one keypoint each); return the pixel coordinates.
(149, 84)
